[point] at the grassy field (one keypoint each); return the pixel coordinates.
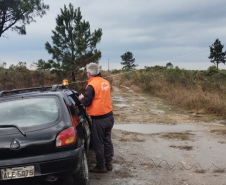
(200, 91)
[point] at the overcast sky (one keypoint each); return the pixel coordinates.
(156, 32)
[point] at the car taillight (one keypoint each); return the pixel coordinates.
(66, 137)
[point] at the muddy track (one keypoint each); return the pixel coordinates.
(195, 156)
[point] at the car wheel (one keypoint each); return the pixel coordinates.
(82, 177)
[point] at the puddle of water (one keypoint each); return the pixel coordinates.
(125, 87)
(118, 98)
(121, 105)
(151, 129)
(115, 88)
(158, 111)
(129, 90)
(217, 127)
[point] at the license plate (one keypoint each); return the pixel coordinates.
(16, 173)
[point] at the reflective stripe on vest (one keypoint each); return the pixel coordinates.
(101, 103)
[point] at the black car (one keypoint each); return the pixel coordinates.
(44, 135)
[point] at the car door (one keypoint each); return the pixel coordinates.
(77, 111)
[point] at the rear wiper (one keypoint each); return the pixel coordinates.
(18, 128)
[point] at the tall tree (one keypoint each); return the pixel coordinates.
(15, 14)
(129, 61)
(217, 55)
(73, 43)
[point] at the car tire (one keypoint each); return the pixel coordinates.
(82, 177)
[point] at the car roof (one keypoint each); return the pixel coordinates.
(55, 89)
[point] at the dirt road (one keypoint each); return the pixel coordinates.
(156, 143)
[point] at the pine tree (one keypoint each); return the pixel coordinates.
(217, 55)
(169, 65)
(73, 43)
(42, 65)
(15, 14)
(129, 61)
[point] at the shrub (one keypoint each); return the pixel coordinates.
(212, 70)
(192, 89)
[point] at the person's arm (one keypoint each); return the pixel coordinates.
(87, 98)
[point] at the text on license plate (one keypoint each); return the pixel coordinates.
(20, 172)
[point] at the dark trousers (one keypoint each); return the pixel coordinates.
(101, 139)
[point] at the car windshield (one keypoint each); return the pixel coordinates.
(29, 112)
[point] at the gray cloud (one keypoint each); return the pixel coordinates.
(155, 31)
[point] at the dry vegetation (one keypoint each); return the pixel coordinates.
(200, 171)
(19, 77)
(199, 91)
(177, 135)
(182, 147)
(219, 171)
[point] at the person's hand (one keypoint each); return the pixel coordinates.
(80, 97)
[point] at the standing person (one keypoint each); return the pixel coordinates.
(97, 101)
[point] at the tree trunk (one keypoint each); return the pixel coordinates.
(73, 76)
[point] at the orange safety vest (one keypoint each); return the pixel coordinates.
(101, 103)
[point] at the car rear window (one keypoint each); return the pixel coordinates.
(29, 112)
